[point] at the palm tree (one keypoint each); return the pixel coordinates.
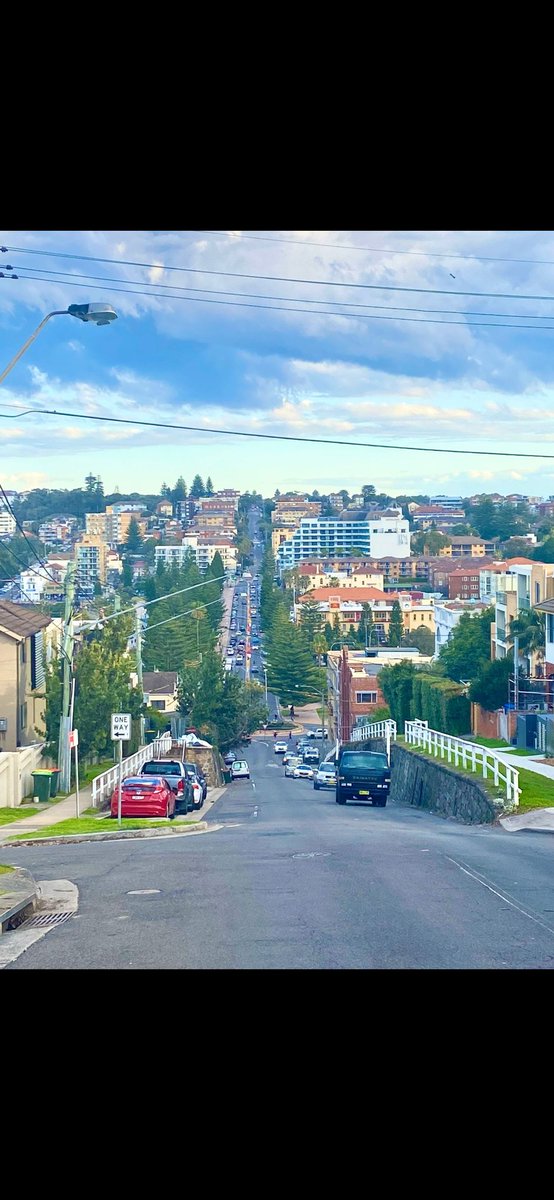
(530, 629)
(319, 647)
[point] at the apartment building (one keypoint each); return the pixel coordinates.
(448, 502)
(7, 523)
(347, 605)
(58, 530)
(447, 615)
(464, 585)
(353, 684)
(475, 547)
(523, 586)
(203, 552)
(90, 557)
(32, 583)
(442, 518)
(332, 538)
(292, 509)
(547, 607)
(318, 575)
(112, 526)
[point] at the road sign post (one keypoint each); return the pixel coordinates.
(121, 732)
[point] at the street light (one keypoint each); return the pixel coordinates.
(97, 314)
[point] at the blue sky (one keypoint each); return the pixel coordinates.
(177, 356)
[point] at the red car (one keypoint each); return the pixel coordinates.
(145, 797)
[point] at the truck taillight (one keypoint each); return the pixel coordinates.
(181, 786)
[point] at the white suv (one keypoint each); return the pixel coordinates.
(281, 747)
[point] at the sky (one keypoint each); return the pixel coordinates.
(299, 333)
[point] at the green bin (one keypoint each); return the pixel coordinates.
(227, 776)
(54, 781)
(41, 785)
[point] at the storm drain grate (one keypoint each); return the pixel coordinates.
(44, 919)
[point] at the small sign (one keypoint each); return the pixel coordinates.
(121, 727)
(73, 738)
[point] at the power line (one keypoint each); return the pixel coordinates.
(273, 437)
(376, 249)
(324, 312)
(175, 287)
(22, 531)
(183, 614)
(272, 278)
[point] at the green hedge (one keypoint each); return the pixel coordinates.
(440, 702)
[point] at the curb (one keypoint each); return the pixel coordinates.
(26, 891)
(115, 836)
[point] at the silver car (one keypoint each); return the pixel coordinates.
(291, 763)
(325, 776)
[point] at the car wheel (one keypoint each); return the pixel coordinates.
(340, 798)
(381, 802)
(172, 815)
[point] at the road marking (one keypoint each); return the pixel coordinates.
(501, 895)
(145, 892)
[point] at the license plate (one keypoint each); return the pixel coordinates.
(363, 793)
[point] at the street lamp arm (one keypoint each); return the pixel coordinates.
(58, 312)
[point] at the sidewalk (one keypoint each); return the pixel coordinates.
(525, 763)
(49, 814)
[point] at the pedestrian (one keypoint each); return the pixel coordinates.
(290, 735)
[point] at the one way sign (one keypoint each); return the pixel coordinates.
(121, 727)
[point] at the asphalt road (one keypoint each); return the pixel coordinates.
(291, 880)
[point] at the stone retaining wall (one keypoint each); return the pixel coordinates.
(424, 783)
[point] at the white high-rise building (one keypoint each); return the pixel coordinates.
(317, 538)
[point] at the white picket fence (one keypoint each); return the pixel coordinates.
(465, 754)
(104, 784)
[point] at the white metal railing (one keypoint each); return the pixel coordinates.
(465, 754)
(105, 783)
(376, 729)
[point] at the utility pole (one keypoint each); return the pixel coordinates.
(64, 750)
(323, 712)
(138, 633)
(516, 674)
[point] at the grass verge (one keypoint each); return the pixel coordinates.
(7, 815)
(101, 825)
(5, 870)
(536, 790)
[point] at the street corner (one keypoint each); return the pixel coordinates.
(19, 895)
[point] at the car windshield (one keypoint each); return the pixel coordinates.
(364, 759)
(141, 785)
(161, 768)
(327, 768)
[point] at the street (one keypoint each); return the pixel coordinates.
(287, 879)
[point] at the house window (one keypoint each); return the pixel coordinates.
(23, 716)
(550, 627)
(366, 697)
(158, 704)
(537, 592)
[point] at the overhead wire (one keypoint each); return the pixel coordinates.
(273, 437)
(324, 312)
(174, 287)
(272, 278)
(375, 249)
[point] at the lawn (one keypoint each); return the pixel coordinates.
(7, 815)
(536, 790)
(5, 870)
(100, 825)
(490, 743)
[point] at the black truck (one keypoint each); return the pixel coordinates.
(362, 775)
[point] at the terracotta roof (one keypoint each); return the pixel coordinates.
(21, 620)
(345, 593)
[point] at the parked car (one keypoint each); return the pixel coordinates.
(281, 747)
(194, 771)
(229, 758)
(141, 797)
(291, 762)
(325, 776)
(240, 769)
(303, 771)
(172, 769)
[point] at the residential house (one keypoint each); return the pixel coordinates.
(161, 690)
(22, 657)
(346, 604)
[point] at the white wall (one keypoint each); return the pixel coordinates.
(16, 780)
(389, 538)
